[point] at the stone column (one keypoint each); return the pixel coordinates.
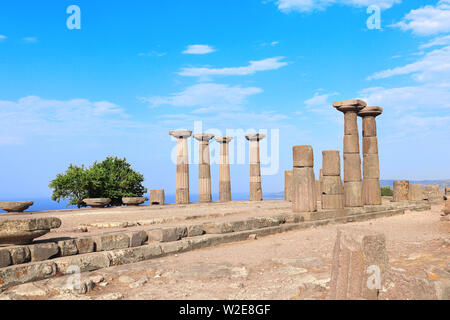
(255, 166)
(371, 190)
(204, 171)
(352, 158)
(288, 176)
(415, 192)
(401, 191)
(224, 170)
(304, 196)
(182, 187)
(332, 189)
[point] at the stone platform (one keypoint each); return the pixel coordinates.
(117, 236)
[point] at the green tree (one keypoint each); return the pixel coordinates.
(112, 178)
(387, 191)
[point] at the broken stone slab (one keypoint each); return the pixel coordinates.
(24, 230)
(43, 251)
(16, 206)
(5, 257)
(359, 263)
(111, 241)
(194, 230)
(137, 238)
(15, 275)
(19, 254)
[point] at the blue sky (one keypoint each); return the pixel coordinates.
(137, 69)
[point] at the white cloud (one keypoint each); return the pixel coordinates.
(428, 20)
(320, 103)
(152, 54)
(433, 66)
(30, 39)
(206, 95)
(2, 37)
(439, 41)
(253, 67)
(316, 5)
(199, 49)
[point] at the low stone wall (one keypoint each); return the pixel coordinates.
(21, 264)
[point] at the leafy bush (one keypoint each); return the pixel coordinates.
(112, 178)
(386, 192)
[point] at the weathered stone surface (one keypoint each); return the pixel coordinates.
(331, 163)
(371, 166)
(175, 247)
(415, 192)
(304, 197)
(303, 156)
(204, 170)
(5, 257)
(332, 185)
(331, 202)
(43, 251)
(163, 234)
(401, 191)
(371, 191)
(353, 194)
(137, 238)
(351, 124)
(352, 167)
(255, 191)
(133, 255)
(431, 193)
(157, 197)
(133, 201)
(288, 177)
(224, 169)
(194, 230)
(111, 241)
(351, 144)
(357, 256)
(16, 206)
(19, 254)
(15, 275)
(369, 127)
(85, 245)
(97, 202)
(24, 230)
(86, 262)
(397, 286)
(182, 176)
(67, 247)
(370, 145)
(216, 227)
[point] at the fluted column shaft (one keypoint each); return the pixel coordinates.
(255, 167)
(182, 183)
(204, 169)
(304, 194)
(332, 190)
(224, 170)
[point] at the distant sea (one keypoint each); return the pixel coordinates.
(44, 204)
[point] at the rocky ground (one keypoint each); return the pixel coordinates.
(293, 265)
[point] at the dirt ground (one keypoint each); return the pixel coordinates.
(293, 265)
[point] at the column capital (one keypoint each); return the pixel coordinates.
(180, 133)
(223, 139)
(203, 137)
(350, 105)
(374, 111)
(255, 136)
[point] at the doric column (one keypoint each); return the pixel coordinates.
(331, 183)
(182, 187)
(371, 191)
(224, 169)
(204, 170)
(255, 166)
(401, 191)
(288, 177)
(352, 158)
(304, 196)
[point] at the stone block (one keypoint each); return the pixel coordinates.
(86, 262)
(431, 192)
(137, 238)
(415, 192)
(194, 230)
(303, 156)
(330, 202)
(371, 166)
(288, 177)
(359, 263)
(163, 234)
(370, 145)
(67, 247)
(5, 257)
(43, 251)
(371, 192)
(353, 194)
(331, 163)
(369, 127)
(352, 167)
(111, 241)
(351, 123)
(19, 254)
(304, 190)
(133, 255)
(16, 275)
(157, 197)
(332, 185)
(85, 245)
(351, 144)
(401, 191)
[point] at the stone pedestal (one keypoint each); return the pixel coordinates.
(288, 180)
(352, 158)
(255, 166)
(204, 170)
(19, 229)
(401, 191)
(332, 190)
(182, 186)
(431, 192)
(304, 196)
(224, 169)
(157, 197)
(415, 192)
(371, 191)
